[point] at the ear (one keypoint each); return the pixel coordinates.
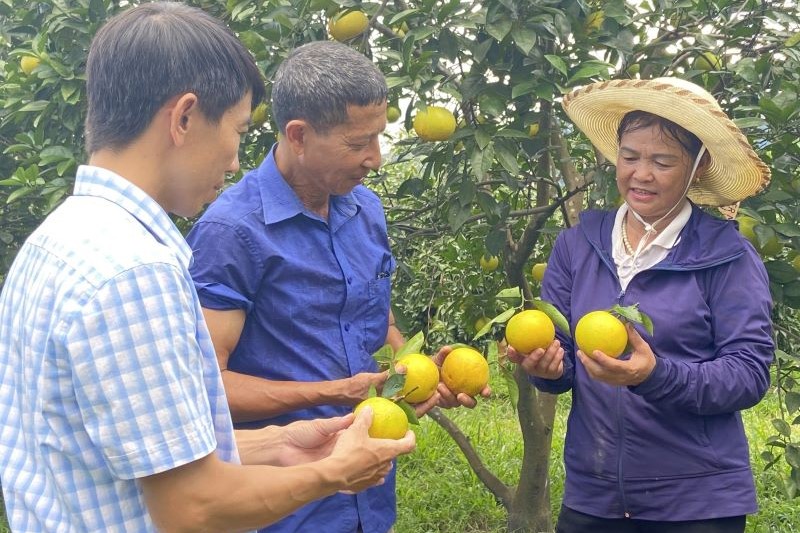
(182, 116)
(296, 135)
(705, 161)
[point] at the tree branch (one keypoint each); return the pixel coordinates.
(499, 490)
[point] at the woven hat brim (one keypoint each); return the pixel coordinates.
(735, 173)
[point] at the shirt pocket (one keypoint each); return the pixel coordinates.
(376, 313)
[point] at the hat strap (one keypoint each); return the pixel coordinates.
(650, 229)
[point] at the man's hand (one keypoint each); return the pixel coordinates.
(305, 441)
(540, 363)
(623, 372)
(446, 397)
(357, 387)
(365, 462)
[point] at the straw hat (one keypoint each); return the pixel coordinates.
(735, 172)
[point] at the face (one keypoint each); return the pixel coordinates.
(211, 151)
(652, 172)
(336, 161)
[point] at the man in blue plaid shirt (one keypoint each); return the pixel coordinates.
(113, 416)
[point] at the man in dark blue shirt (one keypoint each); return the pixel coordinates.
(293, 268)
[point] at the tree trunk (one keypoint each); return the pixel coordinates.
(530, 510)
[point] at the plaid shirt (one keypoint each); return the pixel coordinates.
(107, 371)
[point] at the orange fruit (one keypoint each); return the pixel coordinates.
(345, 26)
(422, 377)
(600, 330)
(28, 63)
(529, 330)
(537, 271)
(489, 263)
(435, 123)
(389, 421)
(465, 370)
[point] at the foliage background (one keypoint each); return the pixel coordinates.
(501, 67)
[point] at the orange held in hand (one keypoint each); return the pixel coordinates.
(422, 377)
(529, 330)
(600, 330)
(389, 421)
(465, 370)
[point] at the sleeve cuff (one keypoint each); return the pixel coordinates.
(221, 297)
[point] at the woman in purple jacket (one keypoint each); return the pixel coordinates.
(655, 441)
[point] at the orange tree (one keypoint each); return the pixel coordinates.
(512, 174)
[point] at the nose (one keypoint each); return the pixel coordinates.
(373, 159)
(643, 170)
(234, 166)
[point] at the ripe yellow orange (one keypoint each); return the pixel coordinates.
(389, 421)
(345, 26)
(707, 61)
(537, 271)
(529, 330)
(489, 263)
(435, 123)
(533, 130)
(465, 370)
(422, 377)
(600, 330)
(28, 63)
(796, 263)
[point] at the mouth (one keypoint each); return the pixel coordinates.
(641, 192)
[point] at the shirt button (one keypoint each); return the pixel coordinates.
(347, 327)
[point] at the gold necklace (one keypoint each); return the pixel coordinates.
(625, 241)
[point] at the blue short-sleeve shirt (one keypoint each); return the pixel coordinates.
(316, 294)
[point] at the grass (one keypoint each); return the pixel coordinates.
(439, 493)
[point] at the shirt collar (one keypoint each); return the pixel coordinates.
(103, 183)
(667, 237)
(280, 202)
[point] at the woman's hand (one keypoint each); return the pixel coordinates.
(541, 363)
(623, 372)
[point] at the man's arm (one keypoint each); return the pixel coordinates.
(255, 398)
(212, 495)
(394, 337)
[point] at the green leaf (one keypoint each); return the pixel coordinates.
(507, 159)
(411, 414)
(511, 385)
(482, 137)
(793, 455)
(632, 313)
(792, 401)
(499, 28)
(589, 69)
(393, 385)
(412, 345)
(511, 293)
(553, 314)
(384, 356)
(524, 38)
(18, 193)
(502, 318)
(558, 63)
(525, 87)
(38, 105)
(372, 392)
(782, 427)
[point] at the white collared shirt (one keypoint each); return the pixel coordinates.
(653, 251)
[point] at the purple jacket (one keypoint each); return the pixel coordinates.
(673, 447)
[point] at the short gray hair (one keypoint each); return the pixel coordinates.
(319, 80)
